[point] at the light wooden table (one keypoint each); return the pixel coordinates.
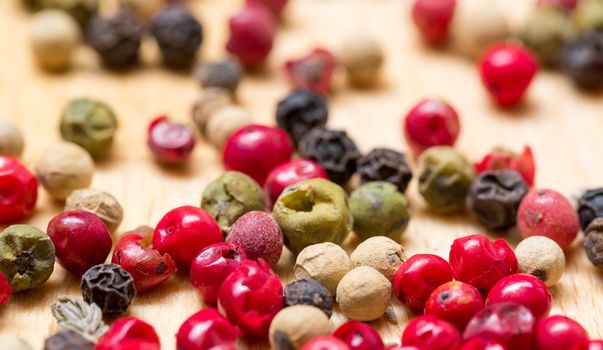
(562, 125)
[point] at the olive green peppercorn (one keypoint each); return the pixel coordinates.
(444, 178)
(54, 36)
(206, 103)
(546, 32)
(313, 211)
(589, 15)
(294, 326)
(362, 58)
(101, 203)
(379, 209)
(11, 140)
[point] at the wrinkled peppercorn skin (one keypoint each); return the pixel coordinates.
(313, 71)
(582, 60)
(108, 286)
(382, 164)
(593, 242)
(178, 34)
(590, 207)
(309, 292)
(116, 39)
(301, 111)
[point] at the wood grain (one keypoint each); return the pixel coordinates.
(562, 125)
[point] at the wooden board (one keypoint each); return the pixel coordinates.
(562, 125)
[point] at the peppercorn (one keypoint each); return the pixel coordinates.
(326, 263)
(313, 71)
(223, 122)
(54, 36)
(5, 290)
(12, 342)
(74, 314)
(259, 235)
(432, 19)
(512, 325)
(116, 39)
(170, 142)
(444, 178)
(301, 111)
(588, 15)
(379, 210)
(67, 340)
(64, 168)
(145, 9)
(129, 331)
(431, 122)
(206, 103)
(90, 124)
(252, 32)
(313, 211)
(503, 159)
(325, 342)
(11, 140)
(382, 164)
(362, 58)
(522, 289)
(455, 302)
(295, 325)
(224, 74)
(359, 336)
(429, 332)
(363, 294)
(178, 34)
(276, 7)
(288, 174)
(108, 286)
(593, 243)
(81, 10)
(101, 203)
(590, 206)
(541, 257)
(207, 329)
(560, 332)
(381, 253)
(26, 256)
(582, 60)
(309, 292)
(230, 196)
(19, 190)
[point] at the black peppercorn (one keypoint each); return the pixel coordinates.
(590, 206)
(593, 243)
(582, 60)
(333, 150)
(68, 340)
(108, 286)
(382, 164)
(300, 112)
(224, 74)
(494, 197)
(309, 292)
(178, 34)
(116, 39)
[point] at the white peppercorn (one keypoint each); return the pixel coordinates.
(209, 101)
(54, 36)
(364, 294)
(101, 203)
(381, 253)
(223, 122)
(362, 58)
(542, 257)
(295, 325)
(11, 140)
(326, 263)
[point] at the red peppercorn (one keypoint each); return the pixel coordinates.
(325, 343)
(400, 347)
(522, 289)
(259, 236)
(207, 329)
(482, 344)
(290, 173)
(418, 277)
(211, 267)
(595, 345)
(313, 71)
(128, 329)
(431, 333)
(560, 333)
(432, 18)
(257, 149)
(252, 32)
(183, 232)
(171, 143)
(81, 240)
(359, 336)
(508, 323)
(478, 261)
(431, 123)
(502, 159)
(455, 302)
(568, 4)
(276, 7)
(507, 70)
(148, 267)
(5, 290)
(548, 213)
(251, 296)
(18, 191)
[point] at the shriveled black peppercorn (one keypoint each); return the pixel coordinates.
(67, 340)
(309, 292)
(108, 286)
(582, 60)
(333, 150)
(494, 197)
(178, 34)
(593, 243)
(382, 164)
(116, 39)
(223, 74)
(590, 206)
(301, 111)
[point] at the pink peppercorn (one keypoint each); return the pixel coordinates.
(478, 261)
(257, 149)
(18, 191)
(359, 336)
(81, 240)
(522, 289)
(482, 344)
(507, 70)
(5, 290)
(183, 232)
(128, 329)
(560, 333)
(207, 329)
(548, 213)
(276, 7)
(259, 236)
(418, 277)
(431, 333)
(431, 123)
(291, 173)
(252, 32)
(502, 159)
(455, 302)
(313, 71)
(325, 343)
(432, 18)
(171, 143)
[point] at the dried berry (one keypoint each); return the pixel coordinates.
(541, 257)
(431, 123)
(108, 286)
(5, 290)
(276, 7)
(54, 37)
(295, 325)
(560, 333)
(590, 206)
(593, 243)
(363, 294)
(309, 292)
(582, 60)
(588, 15)
(455, 302)
(18, 191)
(224, 122)
(129, 331)
(74, 314)
(259, 236)
(431, 333)
(98, 202)
(178, 34)
(382, 164)
(326, 263)
(503, 159)
(522, 289)
(433, 18)
(171, 143)
(224, 74)
(313, 71)
(288, 174)
(67, 340)
(252, 32)
(362, 58)
(207, 329)
(207, 102)
(359, 336)
(380, 253)
(81, 10)
(301, 111)
(116, 39)
(12, 141)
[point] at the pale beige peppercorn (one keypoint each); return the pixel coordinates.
(295, 325)
(11, 140)
(362, 58)
(209, 101)
(542, 257)
(364, 294)
(145, 9)
(223, 122)
(381, 253)
(101, 203)
(326, 263)
(54, 36)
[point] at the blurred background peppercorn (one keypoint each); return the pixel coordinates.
(593, 243)
(588, 15)
(582, 60)
(54, 37)
(362, 57)
(225, 74)
(12, 142)
(206, 103)
(590, 206)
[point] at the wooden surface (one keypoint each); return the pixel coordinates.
(562, 125)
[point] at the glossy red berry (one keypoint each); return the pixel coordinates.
(418, 277)
(211, 267)
(136, 344)
(148, 267)
(259, 236)
(183, 232)
(548, 213)
(359, 336)
(482, 344)
(502, 159)
(313, 72)
(257, 149)
(431, 123)
(560, 333)
(595, 345)
(252, 32)
(290, 173)
(207, 329)
(522, 289)
(507, 71)
(18, 191)
(432, 18)
(5, 290)
(128, 329)
(478, 261)
(81, 240)
(171, 143)
(431, 333)
(455, 302)
(325, 343)
(276, 7)
(251, 296)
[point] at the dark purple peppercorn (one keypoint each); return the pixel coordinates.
(68, 340)
(224, 74)
(116, 39)
(382, 164)
(309, 292)
(590, 206)
(593, 243)
(582, 60)
(178, 34)
(301, 111)
(108, 286)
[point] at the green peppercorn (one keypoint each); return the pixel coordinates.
(313, 211)
(379, 209)
(589, 15)
(90, 124)
(26, 256)
(444, 178)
